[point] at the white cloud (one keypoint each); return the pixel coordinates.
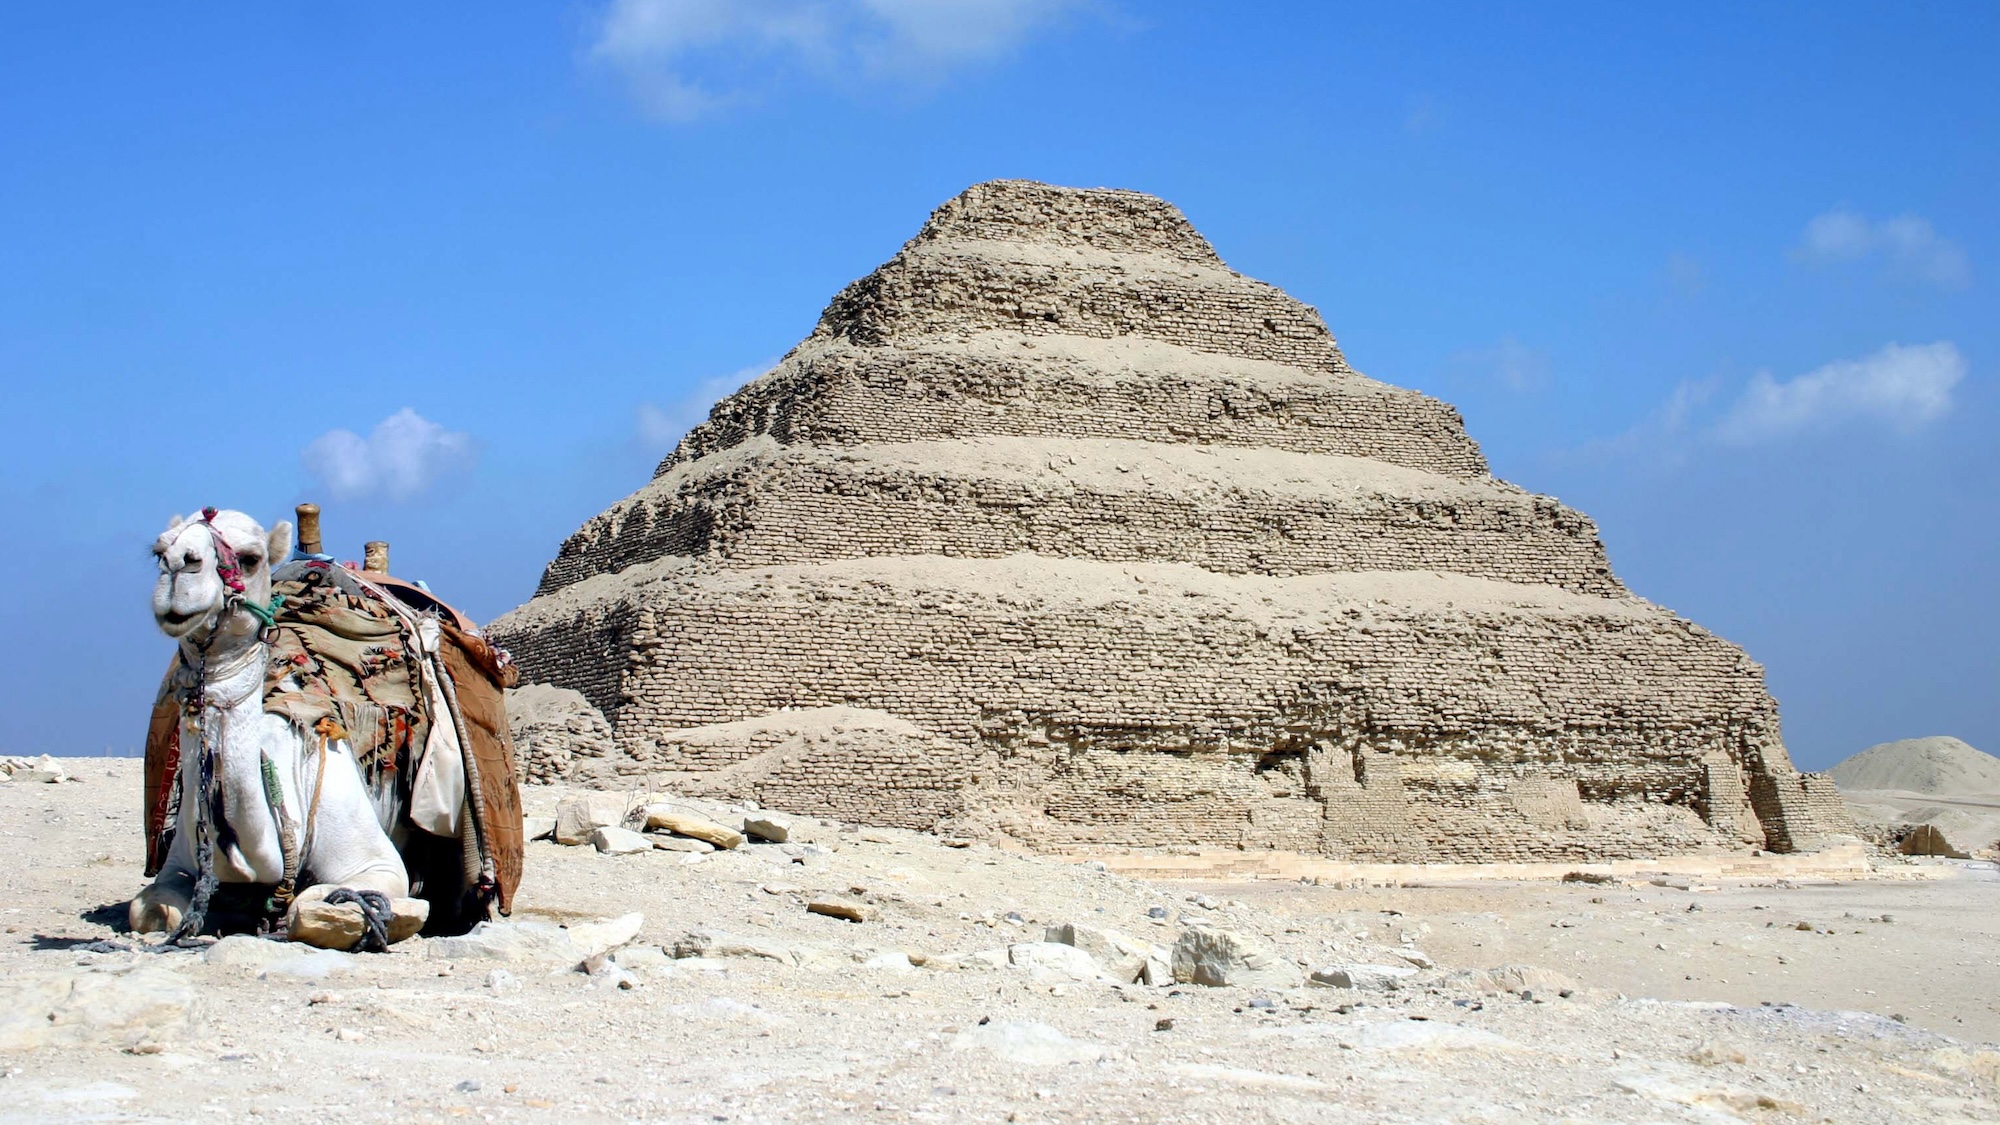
(1513, 364)
(1907, 244)
(660, 428)
(1900, 386)
(685, 59)
(401, 459)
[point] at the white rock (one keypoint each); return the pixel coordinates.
(719, 943)
(538, 827)
(579, 814)
(1027, 1043)
(686, 844)
(536, 941)
(1052, 960)
(1123, 958)
(1371, 978)
(119, 1007)
(619, 841)
(1215, 957)
(764, 826)
(893, 961)
(606, 934)
(316, 965)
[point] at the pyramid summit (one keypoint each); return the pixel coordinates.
(1121, 552)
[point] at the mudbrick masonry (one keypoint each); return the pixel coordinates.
(1057, 527)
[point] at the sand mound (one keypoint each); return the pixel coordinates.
(1939, 765)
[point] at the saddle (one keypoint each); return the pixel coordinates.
(408, 681)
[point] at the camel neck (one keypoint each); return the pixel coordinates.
(231, 677)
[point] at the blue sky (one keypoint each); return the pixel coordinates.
(1721, 276)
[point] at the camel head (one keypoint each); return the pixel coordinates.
(210, 566)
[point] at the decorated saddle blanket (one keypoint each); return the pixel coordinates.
(411, 685)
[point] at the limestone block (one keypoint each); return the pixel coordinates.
(662, 818)
(1216, 957)
(580, 814)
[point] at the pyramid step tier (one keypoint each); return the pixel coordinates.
(1005, 384)
(1088, 677)
(965, 287)
(1159, 656)
(1234, 510)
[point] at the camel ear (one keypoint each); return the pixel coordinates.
(279, 547)
(174, 524)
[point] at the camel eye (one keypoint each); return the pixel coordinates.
(249, 562)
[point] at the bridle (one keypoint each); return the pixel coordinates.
(195, 704)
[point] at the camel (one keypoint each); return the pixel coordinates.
(259, 802)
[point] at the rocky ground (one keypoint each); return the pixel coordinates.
(1746, 998)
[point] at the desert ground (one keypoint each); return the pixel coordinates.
(1844, 989)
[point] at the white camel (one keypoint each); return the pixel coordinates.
(240, 820)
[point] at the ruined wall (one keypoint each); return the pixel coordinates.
(1142, 561)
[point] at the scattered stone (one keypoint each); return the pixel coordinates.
(1418, 958)
(1597, 877)
(843, 908)
(687, 844)
(604, 935)
(619, 841)
(719, 943)
(580, 814)
(1515, 978)
(314, 921)
(1123, 958)
(893, 961)
(122, 1007)
(771, 829)
(317, 965)
(538, 827)
(1367, 978)
(1216, 957)
(502, 981)
(664, 818)
(536, 941)
(1049, 960)
(1026, 1043)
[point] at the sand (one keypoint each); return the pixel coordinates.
(1749, 997)
(1939, 765)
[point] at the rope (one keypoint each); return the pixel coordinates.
(375, 915)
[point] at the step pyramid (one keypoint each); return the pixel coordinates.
(1131, 557)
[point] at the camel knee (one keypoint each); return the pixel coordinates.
(157, 909)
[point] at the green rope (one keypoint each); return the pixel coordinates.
(268, 612)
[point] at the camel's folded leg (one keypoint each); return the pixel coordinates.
(161, 906)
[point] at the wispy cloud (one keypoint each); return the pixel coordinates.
(661, 427)
(1906, 245)
(1511, 363)
(403, 457)
(1903, 387)
(687, 59)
